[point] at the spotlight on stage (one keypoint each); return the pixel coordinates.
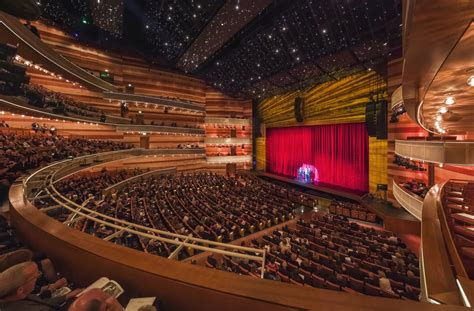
(307, 174)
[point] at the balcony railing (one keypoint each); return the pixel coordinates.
(443, 152)
(140, 98)
(53, 173)
(33, 48)
(410, 201)
(19, 105)
(227, 141)
(229, 159)
(228, 121)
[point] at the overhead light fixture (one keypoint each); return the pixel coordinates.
(443, 110)
(470, 81)
(439, 118)
(449, 100)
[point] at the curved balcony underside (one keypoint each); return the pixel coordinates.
(459, 153)
(31, 47)
(140, 98)
(227, 141)
(408, 200)
(439, 26)
(229, 159)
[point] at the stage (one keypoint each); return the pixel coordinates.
(395, 219)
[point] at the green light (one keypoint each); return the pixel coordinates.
(84, 21)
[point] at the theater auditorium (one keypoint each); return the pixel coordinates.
(236, 155)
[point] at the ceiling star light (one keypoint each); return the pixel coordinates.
(449, 100)
(443, 110)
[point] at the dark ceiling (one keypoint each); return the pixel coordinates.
(246, 48)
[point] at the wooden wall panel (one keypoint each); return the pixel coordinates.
(219, 104)
(377, 163)
(145, 78)
(341, 101)
(260, 153)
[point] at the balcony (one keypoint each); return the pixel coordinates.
(229, 159)
(408, 200)
(459, 153)
(227, 141)
(155, 100)
(31, 47)
(228, 121)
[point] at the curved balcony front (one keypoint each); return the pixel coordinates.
(459, 153)
(31, 47)
(229, 159)
(411, 202)
(227, 141)
(19, 105)
(155, 100)
(227, 121)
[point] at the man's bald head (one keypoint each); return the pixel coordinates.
(18, 281)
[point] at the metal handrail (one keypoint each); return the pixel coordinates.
(126, 226)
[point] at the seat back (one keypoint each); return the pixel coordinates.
(332, 286)
(356, 285)
(371, 290)
(317, 281)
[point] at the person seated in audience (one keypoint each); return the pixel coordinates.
(384, 283)
(4, 124)
(412, 280)
(271, 265)
(372, 279)
(17, 284)
(356, 273)
(211, 260)
(283, 269)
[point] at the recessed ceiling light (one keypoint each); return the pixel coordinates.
(443, 110)
(439, 118)
(449, 100)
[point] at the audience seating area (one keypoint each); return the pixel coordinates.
(458, 203)
(12, 75)
(332, 253)
(205, 205)
(417, 187)
(57, 103)
(20, 153)
(352, 210)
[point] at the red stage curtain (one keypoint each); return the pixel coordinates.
(338, 151)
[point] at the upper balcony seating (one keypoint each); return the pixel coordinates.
(33, 48)
(12, 76)
(416, 187)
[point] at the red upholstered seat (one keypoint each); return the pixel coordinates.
(356, 285)
(332, 286)
(372, 290)
(317, 281)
